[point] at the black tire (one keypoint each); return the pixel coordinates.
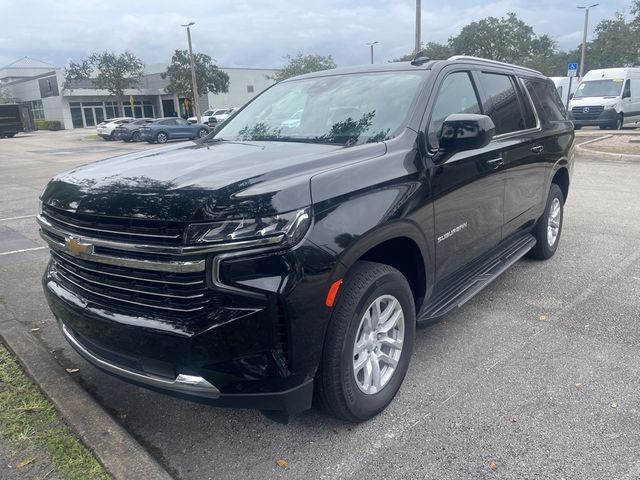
(543, 250)
(135, 137)
(619, 122)
(577, 127)
(202, 132)
(10, 135)
(162, 137)
(336, 389)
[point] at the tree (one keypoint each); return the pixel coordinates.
(5, 96)
(209, 77)
(433, 50)
(301, 64)
(108, 71)
(616, 43)
(506, 39)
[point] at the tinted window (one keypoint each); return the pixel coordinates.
(337, 109)
(455, 95)
(546, 99)
(170, 121)
(502, 103)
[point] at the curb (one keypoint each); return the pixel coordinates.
(619, 156)
(118, 452)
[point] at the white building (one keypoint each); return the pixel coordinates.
(41, 86)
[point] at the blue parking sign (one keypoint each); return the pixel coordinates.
(572, 69)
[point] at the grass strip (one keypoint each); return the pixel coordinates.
(29, 420)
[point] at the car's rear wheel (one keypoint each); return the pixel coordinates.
(549, 226)
(202, 132)
(368, 343)
(135, 137)
(162, 137)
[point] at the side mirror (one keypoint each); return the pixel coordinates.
(465, 131)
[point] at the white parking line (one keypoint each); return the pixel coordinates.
(22, 250)
(15, 218)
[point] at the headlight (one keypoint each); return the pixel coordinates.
(285, 228)
(610, 107)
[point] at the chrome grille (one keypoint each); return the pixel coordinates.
(144, 290)
(119, 229)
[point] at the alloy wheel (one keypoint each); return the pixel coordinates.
(378, 345)
(553, 225)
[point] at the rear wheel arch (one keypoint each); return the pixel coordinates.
(561, 178)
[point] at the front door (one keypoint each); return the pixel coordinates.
(468, 187)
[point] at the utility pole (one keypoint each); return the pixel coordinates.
(194, 82)
(584, 35)
(418, 22)
(371, 45)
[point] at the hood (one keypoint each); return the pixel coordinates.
(589, 101)
(201, 182)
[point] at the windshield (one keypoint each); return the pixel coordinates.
(600, 88)
(208, 112)
(220, 112)
(340, 109)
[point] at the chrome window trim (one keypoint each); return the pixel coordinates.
(189, 384)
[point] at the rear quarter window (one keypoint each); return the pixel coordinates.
(546, 100)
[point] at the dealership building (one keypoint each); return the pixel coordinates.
(41, 86)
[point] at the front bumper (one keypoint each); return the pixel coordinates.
(605, 118)
(259, 348)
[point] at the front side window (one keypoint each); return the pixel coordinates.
(339, 109)
(455, 95)
(181, 121)
(502, 103)
(627, 88)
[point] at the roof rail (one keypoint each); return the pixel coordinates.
(492, 62)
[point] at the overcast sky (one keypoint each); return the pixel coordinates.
(258, 33)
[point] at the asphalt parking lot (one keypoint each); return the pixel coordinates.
(537, 376)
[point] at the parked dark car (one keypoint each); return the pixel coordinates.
(173, 128)
(266, 264)
(12, 119)
(130, 132)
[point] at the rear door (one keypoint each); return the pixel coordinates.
(518, 141)
(468, 187)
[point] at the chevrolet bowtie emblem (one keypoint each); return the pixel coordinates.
(76, 247)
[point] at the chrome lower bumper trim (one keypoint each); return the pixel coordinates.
(187, 384)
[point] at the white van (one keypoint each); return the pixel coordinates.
(608, 98)
(562, 86)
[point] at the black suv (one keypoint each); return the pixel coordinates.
(275, 261)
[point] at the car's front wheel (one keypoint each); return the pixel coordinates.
(162, 137)
(549, 226)
(135, 137)
(368, 343)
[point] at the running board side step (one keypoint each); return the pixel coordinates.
(469, 284)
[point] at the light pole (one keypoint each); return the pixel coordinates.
(194, 82)
(418, 23)
(584, 35)
(371, 45)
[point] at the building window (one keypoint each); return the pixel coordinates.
(37, 109)
(249, 88)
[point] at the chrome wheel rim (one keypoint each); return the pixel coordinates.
(202, 133)
(378, 345)
(162, 138)
(553, 226)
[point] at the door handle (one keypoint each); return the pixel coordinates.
(495, 163)
(537, 149)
